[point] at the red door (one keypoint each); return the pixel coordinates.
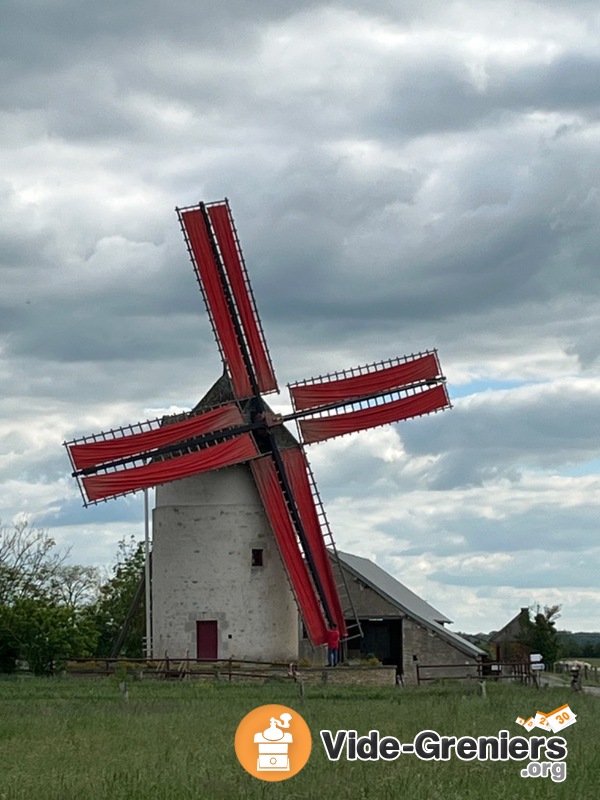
(207, 638)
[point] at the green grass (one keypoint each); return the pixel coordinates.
(73, 739)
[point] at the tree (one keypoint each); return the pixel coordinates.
(45, 634)
(50, 610)
(29, 562)
(541, 635)
(568, 646)
(9, 647)
(75, 586)
(115, 601)
(43, 601)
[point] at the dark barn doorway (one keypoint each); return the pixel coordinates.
(382, 638)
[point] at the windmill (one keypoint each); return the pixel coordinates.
(208, 451)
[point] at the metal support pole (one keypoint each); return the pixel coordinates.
(147, 577)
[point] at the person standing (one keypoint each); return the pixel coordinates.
(333, 645)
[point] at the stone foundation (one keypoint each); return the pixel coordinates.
(348, 676)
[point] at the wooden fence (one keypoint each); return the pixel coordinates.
(179, 668)
(482, 671)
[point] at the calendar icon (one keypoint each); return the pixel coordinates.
(555, 721)
(541, 721)
(561, 718)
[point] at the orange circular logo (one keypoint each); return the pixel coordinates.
(273, 743)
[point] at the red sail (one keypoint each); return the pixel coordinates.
(224, 454)
(204, 260)
(312, 395)
(277, 511)
(297, 472)
(88, 454)
(220, 216)
(321, 428)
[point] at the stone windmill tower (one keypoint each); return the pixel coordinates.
(241, 541)
(219, 586)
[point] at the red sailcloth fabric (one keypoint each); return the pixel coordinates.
(297, 472)
(313, 395)
(275, 505)
(88, 454)
(224, 454)
(222, 223)
(321, 428)
(207, 269)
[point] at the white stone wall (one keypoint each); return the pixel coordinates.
(204, 530)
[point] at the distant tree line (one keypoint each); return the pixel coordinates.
(51, 611)
(579, 645)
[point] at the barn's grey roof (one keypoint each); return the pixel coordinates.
(459, 642)
(406, 601)
(383, 583)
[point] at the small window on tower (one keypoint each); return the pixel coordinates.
(257, 558)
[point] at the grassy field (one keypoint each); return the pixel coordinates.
(62, 739)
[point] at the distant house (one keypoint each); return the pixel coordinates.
(507, 642)
(401, 628)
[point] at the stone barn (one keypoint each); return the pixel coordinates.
(507, 641)
(401, 628)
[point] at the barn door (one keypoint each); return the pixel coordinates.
(207, 638)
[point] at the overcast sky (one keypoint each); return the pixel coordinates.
(403, 175)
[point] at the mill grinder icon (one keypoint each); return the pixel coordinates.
(282, 752)
(273, 745)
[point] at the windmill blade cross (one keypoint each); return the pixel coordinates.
(242, 430)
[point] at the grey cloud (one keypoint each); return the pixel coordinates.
(559, 530)
(437, 93)
(497, 434)
(535, 571)
(72, 512)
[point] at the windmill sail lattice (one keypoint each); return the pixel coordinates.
(128, 459)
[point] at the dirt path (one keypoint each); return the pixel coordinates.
(553, 680)
(595, 690)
